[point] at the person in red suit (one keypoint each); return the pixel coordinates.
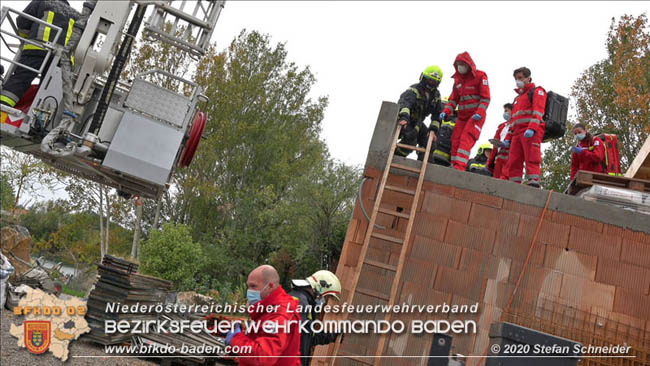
(499, 156)
(471, 94)
(527, 130)
(589, 154)
(276, 342)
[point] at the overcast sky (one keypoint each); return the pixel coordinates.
(367, 52)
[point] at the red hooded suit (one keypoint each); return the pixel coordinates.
(471, 94)
(526, 115)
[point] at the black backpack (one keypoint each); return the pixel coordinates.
(555, 114)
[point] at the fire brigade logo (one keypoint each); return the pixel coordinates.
(37, 335)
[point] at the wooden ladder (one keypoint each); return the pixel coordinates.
(372, 233)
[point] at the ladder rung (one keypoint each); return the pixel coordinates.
(401, 190)
(394, 213)
(377, 264)
(404, 167)
(363, 360)
(372, 293)
(387, 238)
(411, 147)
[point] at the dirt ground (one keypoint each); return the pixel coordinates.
(12, 355)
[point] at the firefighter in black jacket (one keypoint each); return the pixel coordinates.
(311, 292)
(479, 163)
(415, 104)
(56, 12)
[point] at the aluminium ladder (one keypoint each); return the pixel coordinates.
(372, 233)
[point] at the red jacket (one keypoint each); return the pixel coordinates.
(501, 152)
(591, 158)
(280, 343)
(471, 92)
(527, 115)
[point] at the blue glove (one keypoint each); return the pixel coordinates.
(505, 143)
(577, 149)
(231, 334)
(529, 133)
(476, 117)
(443, 115)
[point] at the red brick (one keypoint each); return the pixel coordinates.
(517, 248)
(438, 188)
(613, 230)
(462, 283)
(593, 243)
(477, 197)
(419, 271)
(498, 293)
(577, 221)
(522, 208)
(398, 180)
(469, 237)
(550, 232)
(489, 266)
(490, 217)
(637, 236)
(613, 272)
(431, 226)
(585, 293)
(445, 206)
(397, 199)
(537, 279)
(632, 303)
(571, 262)
(636, 253)
(435, 252)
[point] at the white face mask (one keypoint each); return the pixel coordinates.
(520, 83)
(462, 69)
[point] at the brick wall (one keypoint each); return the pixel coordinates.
(470, 247)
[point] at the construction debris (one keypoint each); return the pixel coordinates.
(624, 198)
(118, 283)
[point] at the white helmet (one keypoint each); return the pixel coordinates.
(325, 283)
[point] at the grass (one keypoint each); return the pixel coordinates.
(72, 292)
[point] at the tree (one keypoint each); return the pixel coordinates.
(7, 194)
(173, 255)
(25, 174)
(611, 96)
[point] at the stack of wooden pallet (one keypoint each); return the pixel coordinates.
(119, 284)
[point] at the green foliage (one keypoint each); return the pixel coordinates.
(611, 96)
(7, 194)
(173, 255)
(72, 292)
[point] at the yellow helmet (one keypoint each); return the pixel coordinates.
(325, 283)
(483, 147)
(432, 72)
